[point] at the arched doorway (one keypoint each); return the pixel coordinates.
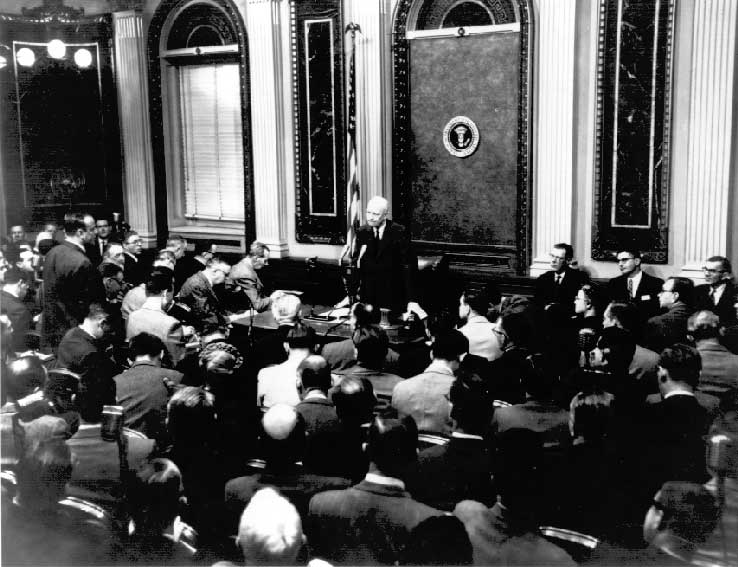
(201, 120)
(461, 148)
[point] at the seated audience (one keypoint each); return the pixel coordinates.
(507, 533)
(283, 448)
(371, 522)
(276, 384)
(157, 534)
(143, 390)
(669, 328)
(719, 294)
(462, 469)
(425, 396)
(371, 345)
(473, 307)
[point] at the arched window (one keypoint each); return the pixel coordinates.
(204, 144)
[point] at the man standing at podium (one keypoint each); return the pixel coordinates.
(384, 260)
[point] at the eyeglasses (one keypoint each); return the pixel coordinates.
(621, 260)
(711, 270)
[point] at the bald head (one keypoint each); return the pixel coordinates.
(376, 211)
(279, 421)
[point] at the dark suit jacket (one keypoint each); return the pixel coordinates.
(93, 253)
(367, 524)
(448, 474)
(646, 296)
(71, 283)
(665, 330)
(724, 308)
(81, 354)
(135, 272)
(719, 373)
(325, 443)
(548, 291)
(207, 313)
(385, 268)
(19, 316)
(185, 267)
(542, 417)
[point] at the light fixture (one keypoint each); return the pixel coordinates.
(3, 62)
(56, 48)
(25, 57)
(83, 58)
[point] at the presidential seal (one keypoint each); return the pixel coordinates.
(461, 137)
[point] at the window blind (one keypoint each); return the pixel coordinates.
(212, 144)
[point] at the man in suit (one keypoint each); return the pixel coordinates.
(560, 284)
(104, 236)
(635, 285)
(462, 468)
(473, 306)
(384, 260)
(720, 293)
(136, 268)
(369, 523)
(719, 374)
(245, 277)
(674, 428)
(624, 314)
(143, 390)
(664, 330)
(283, 446)
(207, 313)
(11, 304)
(71, 282)
(425, 397)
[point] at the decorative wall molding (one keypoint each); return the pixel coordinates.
(553, 182)
(710, 153)
(133, 103)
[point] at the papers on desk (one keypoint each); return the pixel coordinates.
(338, 313)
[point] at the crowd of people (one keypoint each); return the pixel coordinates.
(590, 423)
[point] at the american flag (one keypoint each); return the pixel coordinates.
(353, 201)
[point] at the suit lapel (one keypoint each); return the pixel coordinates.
(384, 240)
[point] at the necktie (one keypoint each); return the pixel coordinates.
(713, 295)
(630, 287)
(559, 277)
(376, 234)
(103, 243)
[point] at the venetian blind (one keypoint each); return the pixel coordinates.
(212, 141)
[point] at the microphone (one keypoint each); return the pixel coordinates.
(586, 339)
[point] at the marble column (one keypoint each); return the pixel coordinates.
(266, 22)
(133, 109)
(553, 200)
(373, 94)
(710, 153)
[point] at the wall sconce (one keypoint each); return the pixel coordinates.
(3, 62)
(25, 57)
(56, 49)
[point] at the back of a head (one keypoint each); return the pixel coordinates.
(270, 530)
(620, 347)
(159, 280)
(146, 344)
(191, 417)
(689, 510)
(704, 325)
(155, 496)
(314, 373)
(471, 409)
(590, 415)
(44, 472)
(371, 344)
(354, 399)
(683, 363)
(363, 314)
(595, 295)
(517, 325)
(220, 358)
(74, 222)
(284, 435)
(477, 301)
(684, 287)
(449, 345)
(518, 471)
(438, 540)
(624, 314)
(286, 308)
(392, 445)
(24, 376)
(301, 336)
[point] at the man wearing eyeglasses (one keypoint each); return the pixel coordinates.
(720, 293)
(207, 313)
(676, 298)
(561, 284)
(635, 285)
(135, 267)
